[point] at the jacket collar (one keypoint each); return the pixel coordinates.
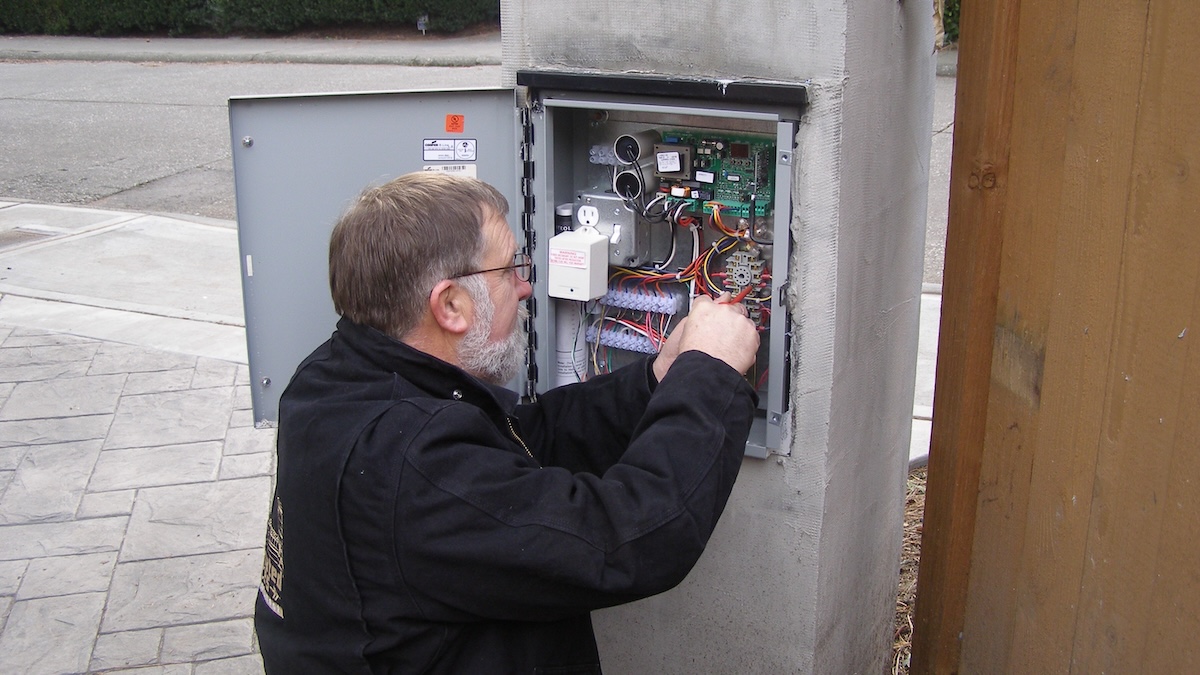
(431, 375)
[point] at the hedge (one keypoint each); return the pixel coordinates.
(950, 20)
(181, 17)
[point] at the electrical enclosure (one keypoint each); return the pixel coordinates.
(677, 188)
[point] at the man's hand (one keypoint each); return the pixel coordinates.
(670, 349)
(719, 329)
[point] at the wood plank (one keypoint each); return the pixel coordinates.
(1089, 249)
(1104, 74)
(1133, 558)
(1040, 121)
(973, 246)
(1171, 644)
(1171, 129)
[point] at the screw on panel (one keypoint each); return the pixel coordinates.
(266, 382)
(247, 141)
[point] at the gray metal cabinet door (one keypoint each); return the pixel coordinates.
(299, 161)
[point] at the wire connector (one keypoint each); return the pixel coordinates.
(622, 339)
(668, 302)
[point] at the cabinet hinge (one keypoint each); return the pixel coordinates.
(528, 209)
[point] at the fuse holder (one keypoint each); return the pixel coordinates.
(578, 265)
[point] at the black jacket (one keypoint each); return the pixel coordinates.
(424, 522)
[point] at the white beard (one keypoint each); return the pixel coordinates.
(496, 362)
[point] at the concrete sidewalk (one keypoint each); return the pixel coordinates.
(133, 485)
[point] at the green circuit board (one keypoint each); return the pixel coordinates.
(727, 168)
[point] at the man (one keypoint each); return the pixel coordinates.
(425, 522)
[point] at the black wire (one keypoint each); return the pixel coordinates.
(656, 217)
(677, 212)
(658, 266)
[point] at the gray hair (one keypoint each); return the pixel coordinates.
(399, 239)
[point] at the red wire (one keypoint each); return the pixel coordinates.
(740, 296)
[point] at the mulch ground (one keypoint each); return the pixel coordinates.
(910, 558)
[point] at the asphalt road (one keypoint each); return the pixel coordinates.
(154, 137)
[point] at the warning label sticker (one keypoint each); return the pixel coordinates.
(449, 150)
(568, 258)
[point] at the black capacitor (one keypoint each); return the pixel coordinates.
(564, 218)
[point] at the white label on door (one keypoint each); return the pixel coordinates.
(467, 170)
(438, 150)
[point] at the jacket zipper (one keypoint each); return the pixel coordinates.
(513, 431)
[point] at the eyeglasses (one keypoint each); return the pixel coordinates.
(521, 264)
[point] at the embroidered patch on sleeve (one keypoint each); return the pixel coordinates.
(272, 574)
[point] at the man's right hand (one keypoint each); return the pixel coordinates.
(721, 330)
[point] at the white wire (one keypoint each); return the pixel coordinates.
(662, 267)
(575, 345)
(658, 198)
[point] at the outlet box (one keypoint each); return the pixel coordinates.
(628, 235)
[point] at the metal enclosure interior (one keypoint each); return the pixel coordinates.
(571, 114)
(299, 160)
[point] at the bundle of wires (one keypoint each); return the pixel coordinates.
(700, 274)
(650, 325)
(715, 208)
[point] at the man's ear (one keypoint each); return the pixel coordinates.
(451, 307)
